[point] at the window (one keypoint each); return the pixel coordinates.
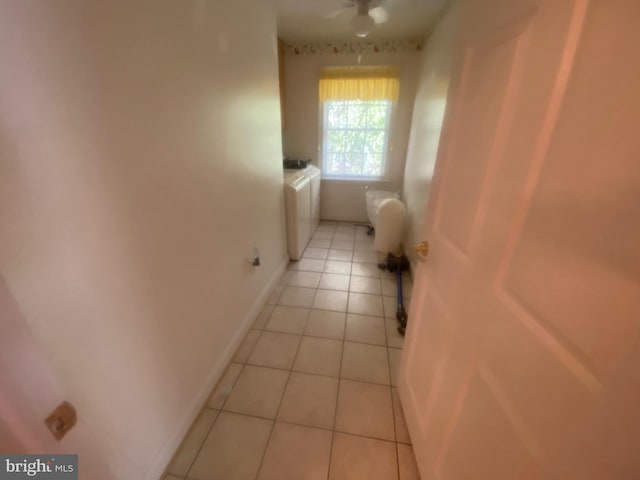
(355, 137)
(356, 105)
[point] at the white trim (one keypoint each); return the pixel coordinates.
(161, 462)
(354, 178)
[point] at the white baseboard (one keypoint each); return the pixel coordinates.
(160, 464)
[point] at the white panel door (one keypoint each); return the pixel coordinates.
(522, 356)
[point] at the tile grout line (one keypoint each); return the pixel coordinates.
(221, 409)
(244, 365)
(315, 427)
(275, 419)
(335, 411)
(393, 410)
(368, 382)
(203, 441)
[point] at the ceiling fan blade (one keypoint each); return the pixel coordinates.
(335, 13)
(379, 14)
(324, 8)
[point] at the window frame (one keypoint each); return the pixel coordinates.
(385, 150)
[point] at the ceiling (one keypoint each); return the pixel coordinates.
(329, 20)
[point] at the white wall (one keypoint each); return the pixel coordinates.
(341, 199)
(140, 162)
(428, 113)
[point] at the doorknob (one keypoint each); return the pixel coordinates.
(422, 250)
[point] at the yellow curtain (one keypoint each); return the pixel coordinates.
(359, 83)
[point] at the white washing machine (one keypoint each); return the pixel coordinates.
(297, 195)
(313, 173)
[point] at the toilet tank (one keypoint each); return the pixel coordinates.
(373, 199)
(390, 221)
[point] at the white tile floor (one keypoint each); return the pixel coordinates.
(311, 393)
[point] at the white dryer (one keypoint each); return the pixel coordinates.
(313, 173)
(297, 195)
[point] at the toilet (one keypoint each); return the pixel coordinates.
(387, 215)
(374, 198)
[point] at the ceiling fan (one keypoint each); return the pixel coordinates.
(368, 14)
